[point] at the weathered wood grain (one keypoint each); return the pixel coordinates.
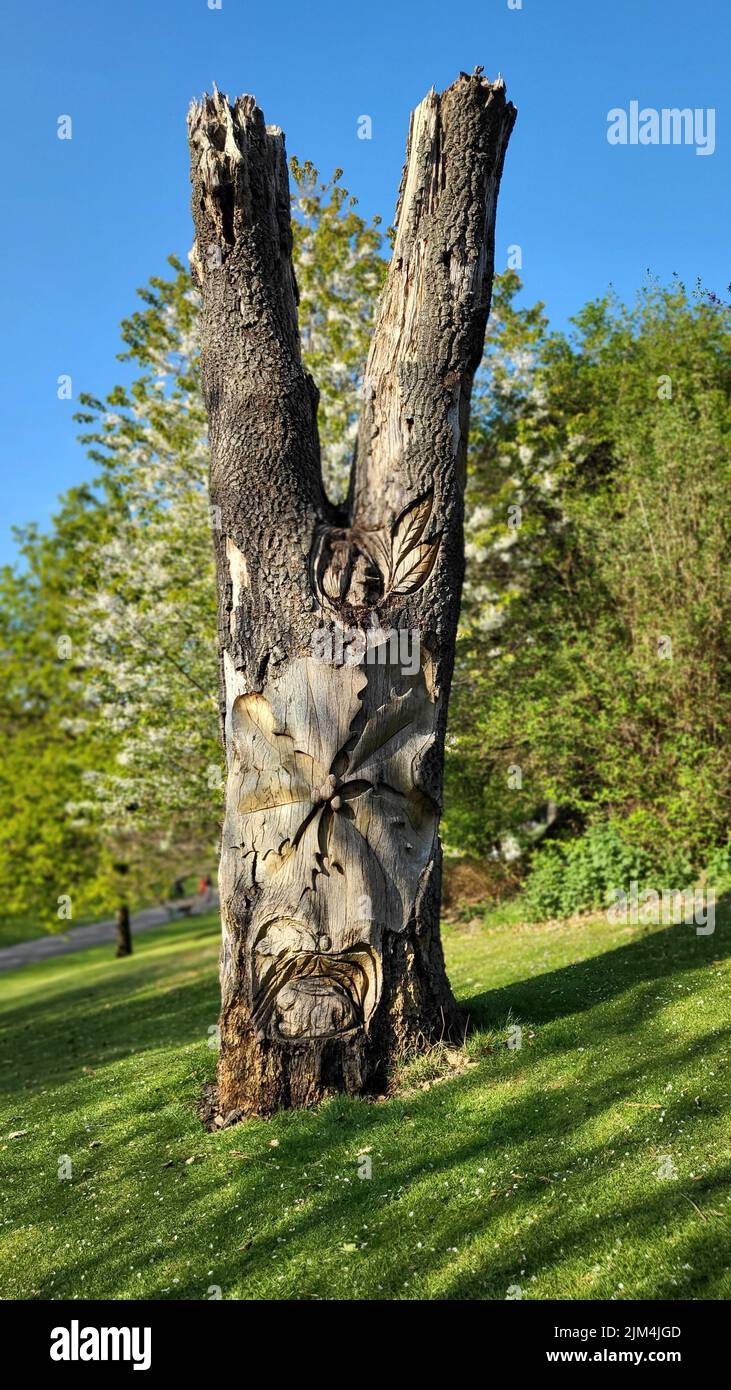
(331, 960)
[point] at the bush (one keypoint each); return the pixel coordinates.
(593, 666)
(718, 871)
(577, 875)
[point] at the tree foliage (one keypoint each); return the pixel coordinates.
(127, 737)
(593, 663)
(595, 659)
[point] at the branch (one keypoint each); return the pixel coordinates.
(431, 322)
(262, 406)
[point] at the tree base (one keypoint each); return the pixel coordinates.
(258, 1075)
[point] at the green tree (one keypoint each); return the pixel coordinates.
(594, 661)
(51, 869)
(112, 756)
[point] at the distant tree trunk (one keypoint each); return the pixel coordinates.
(124, 935)
(337, 629)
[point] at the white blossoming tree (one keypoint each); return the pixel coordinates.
(146, 597)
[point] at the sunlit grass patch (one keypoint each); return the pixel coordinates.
(575, 1145)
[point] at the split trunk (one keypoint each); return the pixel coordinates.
(337, 626)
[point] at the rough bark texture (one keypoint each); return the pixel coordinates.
(337, 631)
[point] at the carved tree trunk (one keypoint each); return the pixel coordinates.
(337, 631)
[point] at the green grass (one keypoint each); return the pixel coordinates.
(14, 930)
(537, 1166)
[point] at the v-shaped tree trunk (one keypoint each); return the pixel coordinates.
(337, 630)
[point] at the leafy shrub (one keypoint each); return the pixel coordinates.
(576, 875)
(718, 871)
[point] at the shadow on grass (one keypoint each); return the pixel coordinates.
(294, 1204)
(142, 1002)
(583, 985)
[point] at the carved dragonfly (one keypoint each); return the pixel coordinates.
(310, 781)
(336, 832)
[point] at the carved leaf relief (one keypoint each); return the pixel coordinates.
(414, 569)
(360, 567)
(410, 526)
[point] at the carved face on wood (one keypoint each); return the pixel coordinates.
(305, 988)
(334, 832)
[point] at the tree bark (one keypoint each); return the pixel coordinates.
(124, 935)
(337, 631)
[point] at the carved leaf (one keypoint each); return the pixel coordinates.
(414, 569)
(272, 794)
(381, 728)
(276, 774)
(331, 582)
(377, 544)
(410, 527)
(253, 714)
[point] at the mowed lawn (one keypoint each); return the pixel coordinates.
(592, 1161)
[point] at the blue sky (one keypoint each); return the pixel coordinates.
(89, 219)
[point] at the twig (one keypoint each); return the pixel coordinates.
(697, 1208)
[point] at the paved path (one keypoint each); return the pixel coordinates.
(78, 938)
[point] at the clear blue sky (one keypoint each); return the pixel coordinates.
(88, 220)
